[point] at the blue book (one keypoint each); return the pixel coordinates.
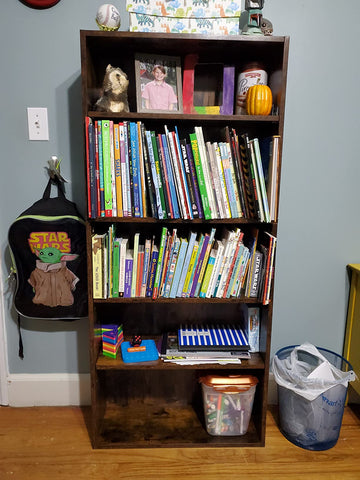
(160, 212)
(135, 160)
(178, 268)
(170, 173)
(189, 250)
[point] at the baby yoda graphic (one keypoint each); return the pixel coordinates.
(52, 281)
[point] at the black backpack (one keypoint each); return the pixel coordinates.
(48, 248)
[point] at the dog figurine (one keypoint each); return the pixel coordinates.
(114, 97)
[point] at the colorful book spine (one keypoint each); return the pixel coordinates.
(97, 246)
(215, 273)
(124, 176)
(207, 275)
(161, 186)
(173, 162)
(101, 169)
(107, 167)
(184, 177)
(159, 265)
(97, 170)
(112, 165)
(159, 208)
(205, 261)
(189, 181)
(228, 179)
(135, 162)
(216, 180)
(145, 274)
(135, 264)
(199, 264)
(129, 262)
(179, 265)
(118, 179)
(148, 177)
(127, 149)
(92, 198)
(190, 246)
(152, 270)
(200, 176)
(194, 180)
(206, 171)
(223, 188)
(241, 274)
(260, 172)
(142, 170)
(233, 180)
(172, 267)
(115, 267)
(191, 268)
(168, 166)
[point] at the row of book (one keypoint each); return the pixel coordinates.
(197, 266)
(135, 172)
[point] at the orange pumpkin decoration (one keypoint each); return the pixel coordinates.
(259, 100)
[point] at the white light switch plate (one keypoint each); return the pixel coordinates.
(38, 123)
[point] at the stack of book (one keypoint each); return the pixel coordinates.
(200, 266)
(205, 344)
(112, 338)
(135, 172)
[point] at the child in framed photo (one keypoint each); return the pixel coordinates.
(158, 83)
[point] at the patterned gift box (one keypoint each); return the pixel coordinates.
(214, 17)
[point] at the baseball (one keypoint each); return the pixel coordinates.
(108, 17)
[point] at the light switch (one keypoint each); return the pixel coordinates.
(38, 123)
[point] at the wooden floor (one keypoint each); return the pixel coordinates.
(53, 444)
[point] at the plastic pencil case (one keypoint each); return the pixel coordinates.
(228, 403)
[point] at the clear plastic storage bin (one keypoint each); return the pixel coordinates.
(228, 403)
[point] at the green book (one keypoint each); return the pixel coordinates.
(200, 176)
(115, 269)
(160, 262)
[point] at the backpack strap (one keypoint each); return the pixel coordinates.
(58, 184)
(21, 347)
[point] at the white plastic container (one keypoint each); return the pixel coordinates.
(228, 403)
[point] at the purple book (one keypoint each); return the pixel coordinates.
(152, 271)
(199, 265)
(228, 90)
(128, 276)
(194, 180)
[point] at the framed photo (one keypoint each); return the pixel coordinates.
(158, 83)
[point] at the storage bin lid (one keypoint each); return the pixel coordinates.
(230, 383)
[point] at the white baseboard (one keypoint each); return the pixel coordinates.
(62, 389)
(59, 389)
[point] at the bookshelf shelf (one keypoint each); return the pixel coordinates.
(158, 404)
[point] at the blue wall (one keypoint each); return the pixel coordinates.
(319, 226)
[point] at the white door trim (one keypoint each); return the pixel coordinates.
(4, 369)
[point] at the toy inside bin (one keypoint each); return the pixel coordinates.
(228, 403)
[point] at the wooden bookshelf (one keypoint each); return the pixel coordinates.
(154, 404)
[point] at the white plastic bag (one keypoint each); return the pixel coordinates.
(308, 375)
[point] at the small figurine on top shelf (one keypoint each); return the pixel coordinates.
(254, 9)
(114, 97)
